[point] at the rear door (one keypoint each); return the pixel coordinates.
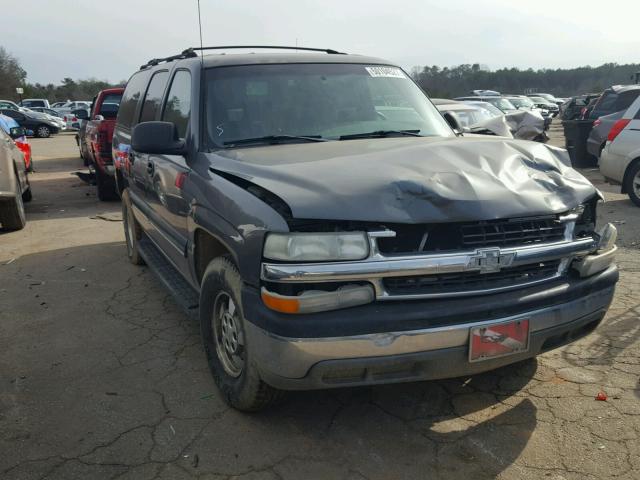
(167, 174)
(627, 142)
(130, 168)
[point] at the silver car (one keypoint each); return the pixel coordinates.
(14, 183)
(598, 135)
(620, 159)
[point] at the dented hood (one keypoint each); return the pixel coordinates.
(412, 180)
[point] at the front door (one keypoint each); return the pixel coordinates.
(167, 174)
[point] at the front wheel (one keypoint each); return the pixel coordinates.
(632, 183)
(43, 131)
(222, 325)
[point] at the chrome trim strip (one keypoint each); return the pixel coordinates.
(380, 266)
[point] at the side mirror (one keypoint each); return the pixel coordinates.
(157, 137)
(98, 118)
(17, 132)
(82, 114)
(452, 120)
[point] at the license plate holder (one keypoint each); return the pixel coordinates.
(498, 340)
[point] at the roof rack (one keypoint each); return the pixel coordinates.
(330, 51)
(156, 61)
(191, 52)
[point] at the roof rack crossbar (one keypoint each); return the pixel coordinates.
(156, 61)
(276, 47)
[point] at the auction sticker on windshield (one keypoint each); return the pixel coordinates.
(498, 340)
(388, 72)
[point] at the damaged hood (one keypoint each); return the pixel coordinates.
(412, 180)
(523, 124)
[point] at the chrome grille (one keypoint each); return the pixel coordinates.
(504, 233)
(464, 282)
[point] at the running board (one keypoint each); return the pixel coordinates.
(183, 293)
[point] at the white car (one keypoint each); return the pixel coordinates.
(69, 106)
(620, 159)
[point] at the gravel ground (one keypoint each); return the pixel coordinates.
(102, 377)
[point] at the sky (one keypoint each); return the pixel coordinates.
(110, 39)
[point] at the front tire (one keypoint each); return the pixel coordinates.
(632, 183)
(42, 131)
(12, 214)
(222, 325)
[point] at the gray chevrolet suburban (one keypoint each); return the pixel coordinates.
(328, 227)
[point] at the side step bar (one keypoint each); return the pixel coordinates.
(183, 293)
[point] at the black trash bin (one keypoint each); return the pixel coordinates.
(576, 133)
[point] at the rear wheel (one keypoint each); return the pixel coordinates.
(42, 131)
(229, 354)
(632, 183)
(105, 186)
(132, 230)
(27, 195)
(12, 215)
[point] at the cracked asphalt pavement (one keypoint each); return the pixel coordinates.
(103, 377)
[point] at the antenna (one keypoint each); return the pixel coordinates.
(200, 27)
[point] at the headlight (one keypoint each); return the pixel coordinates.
(316, 247)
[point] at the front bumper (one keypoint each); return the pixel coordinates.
(557, 314)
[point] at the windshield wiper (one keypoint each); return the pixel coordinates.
(381, 133)
(275, 139)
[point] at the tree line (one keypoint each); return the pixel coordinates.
(443, 82)
(460, 80)
(12, 76)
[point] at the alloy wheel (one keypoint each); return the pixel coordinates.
(636, 184)
(228, 335)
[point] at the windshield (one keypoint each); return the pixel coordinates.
(325, 101)
(495, 111)
(540, 100)
(470, 116)
(521, 102)
(502, 103)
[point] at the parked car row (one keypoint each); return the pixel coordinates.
(40, 124)
(328, 226)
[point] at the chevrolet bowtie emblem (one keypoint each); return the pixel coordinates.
(490, 260)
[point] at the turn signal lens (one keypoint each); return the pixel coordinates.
(280, 303)
(312, 301)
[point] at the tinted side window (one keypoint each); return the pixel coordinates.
(130, 98)
(177, 109)
(13, 114)
(625, 99)
(153, 97)
(110, 104)
(606, 102)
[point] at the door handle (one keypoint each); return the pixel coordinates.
(150, 168)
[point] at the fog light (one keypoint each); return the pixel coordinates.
(312, 301)
(608, 237)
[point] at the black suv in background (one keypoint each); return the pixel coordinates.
(328, 228)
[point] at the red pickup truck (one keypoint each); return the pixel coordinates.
(95, 139)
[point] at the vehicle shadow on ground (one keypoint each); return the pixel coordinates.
(474, 426)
